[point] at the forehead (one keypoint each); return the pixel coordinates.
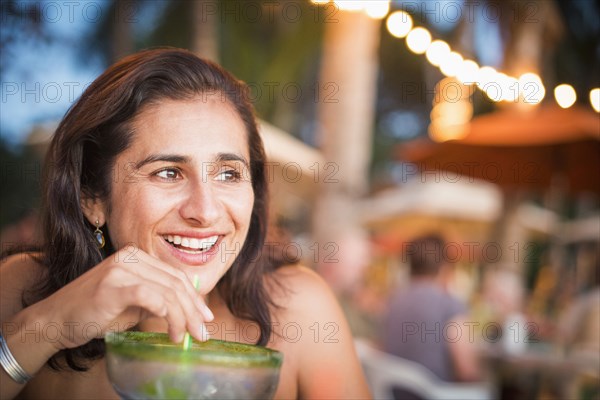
(197, 128)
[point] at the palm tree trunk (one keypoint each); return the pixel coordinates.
(348, 82)
(205, 41)
(122, 43)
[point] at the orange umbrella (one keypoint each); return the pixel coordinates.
(519, 150)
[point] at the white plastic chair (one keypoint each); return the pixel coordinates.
(385, 372)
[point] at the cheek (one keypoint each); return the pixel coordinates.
(239, 209)
(244, 209)
(134, 211)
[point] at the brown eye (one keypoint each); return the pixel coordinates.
(168, 174)
(229, 176)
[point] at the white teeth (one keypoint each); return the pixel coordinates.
(193, 243)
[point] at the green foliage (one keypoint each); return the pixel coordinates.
(174, 27)
(267, 45)
(276, 51)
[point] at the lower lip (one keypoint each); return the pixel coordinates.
(194, 259)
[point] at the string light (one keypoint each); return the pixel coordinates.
(509, 88)
(399, 23)
(527, 89)
(485, 76)
(595, 99)
(377, 9)
(467, 72)
(565, 95)
(437, 51)
(349, 5)
(531, 88)
(451, 64)
(418, 40)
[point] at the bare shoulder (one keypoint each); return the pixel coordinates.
(298, 287)
(18, 273)
(298, 274)
(315, 336)
(305, 301)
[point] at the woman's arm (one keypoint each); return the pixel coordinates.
(327, 363)
(111, 296)
(22, 329)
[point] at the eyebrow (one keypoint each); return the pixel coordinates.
(232, 157)
(176, 158)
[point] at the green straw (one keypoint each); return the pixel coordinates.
(187, 339)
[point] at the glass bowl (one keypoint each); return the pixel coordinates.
(145, 365)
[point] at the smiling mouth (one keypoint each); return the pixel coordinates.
(191, 245)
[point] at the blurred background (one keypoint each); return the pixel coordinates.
(383, 121)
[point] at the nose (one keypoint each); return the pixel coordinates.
(200, 206)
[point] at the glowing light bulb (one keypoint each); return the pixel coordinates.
(457, 113)
(467, 72)
(494, 84)
(485, 75)
(399, 23)
(451, 64)
(349, 5)
(529, 77)
(565, 95)
(377, 9)
(509, 88)
(441, 132)
(437, 51)
(595, 98)
(418, 40)
(531, 88)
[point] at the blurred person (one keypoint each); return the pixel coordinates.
(155, 176)
(345, 273)
(426, 324)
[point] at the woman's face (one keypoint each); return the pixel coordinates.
(183, 191)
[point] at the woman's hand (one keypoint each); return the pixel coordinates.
(120, 292)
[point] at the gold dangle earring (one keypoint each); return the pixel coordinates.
(99, 235)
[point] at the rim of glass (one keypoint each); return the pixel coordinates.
(151, 346)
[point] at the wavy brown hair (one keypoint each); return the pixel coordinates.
(80, 164)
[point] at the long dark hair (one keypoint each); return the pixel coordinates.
(80, 163)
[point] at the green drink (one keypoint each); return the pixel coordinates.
(143, 365)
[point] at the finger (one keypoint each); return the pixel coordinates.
(161, 302)
(177, 281)
(172, 289)
(141, 296)
(175, 277)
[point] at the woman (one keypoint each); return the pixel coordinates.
(155, 177)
